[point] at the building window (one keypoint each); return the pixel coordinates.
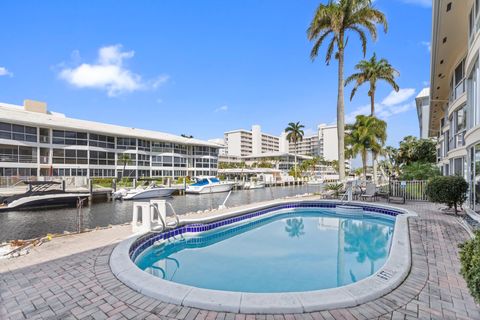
(127, 143)
(69, 138)
(18, 172)
(98, 140)
(17, 132)
(18, 154)
(68, 156)
(102, 158)
(144, 145)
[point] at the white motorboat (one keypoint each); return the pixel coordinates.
(254, 185)
(151, 191)
(315, 182)
(41, 195)
(209, 185)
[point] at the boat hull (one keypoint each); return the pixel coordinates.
(214, 188)
(150, 193)
(44, 202)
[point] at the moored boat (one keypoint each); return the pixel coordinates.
(41, 195)
(209, 185)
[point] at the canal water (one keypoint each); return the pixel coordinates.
(31, 224)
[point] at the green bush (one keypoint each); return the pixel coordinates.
(450, 190)
(470, 260)
(104, 182)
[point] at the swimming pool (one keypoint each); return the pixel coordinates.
(282, 256)
(300, 249)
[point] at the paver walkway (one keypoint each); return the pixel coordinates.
(81, 285)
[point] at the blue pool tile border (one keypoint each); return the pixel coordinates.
(149, 239)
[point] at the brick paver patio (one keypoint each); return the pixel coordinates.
(81, 286)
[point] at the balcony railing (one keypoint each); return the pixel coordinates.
(458, 90)
(44, 139)
(457, 141)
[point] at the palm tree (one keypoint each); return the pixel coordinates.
(124, 159)
(371, 71)
(336, 19)
(294, 135)
(380, 133)
(366, 134)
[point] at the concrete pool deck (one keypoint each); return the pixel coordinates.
(70, 278)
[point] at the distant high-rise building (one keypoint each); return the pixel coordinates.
(247, 142)
(423, 111)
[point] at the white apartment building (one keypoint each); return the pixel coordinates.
(328, 142)
(244, 142)
(455, 91)
(37, 142)
(423, 111)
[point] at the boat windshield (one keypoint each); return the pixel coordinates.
(201, 182)
(215, 180)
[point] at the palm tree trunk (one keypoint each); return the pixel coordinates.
(341, 113)
(374, 155)
(295, 160)
(364, 164)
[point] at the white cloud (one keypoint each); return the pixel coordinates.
(5, 72)
(159, 101)
(427, 45)
(222, 108)
(395, 98)
(423, 3)
(109, 73)
(394, 103)
(426, 83)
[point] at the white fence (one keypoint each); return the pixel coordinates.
(414, 190)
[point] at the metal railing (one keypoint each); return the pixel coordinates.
(414, 190)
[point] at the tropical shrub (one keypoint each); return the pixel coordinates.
(419, 171)
(104, 182)
(450, 190)
(470, 261)
(335, 187)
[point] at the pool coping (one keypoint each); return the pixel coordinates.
(385, 280)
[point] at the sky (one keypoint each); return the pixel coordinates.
(202, 67)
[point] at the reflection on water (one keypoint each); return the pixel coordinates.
(295, 227)
(30, 224)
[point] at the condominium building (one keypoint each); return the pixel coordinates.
(423, 111)
(308, 146)
(455, 91)
(247, 142)
(328, 142)
(37, 142)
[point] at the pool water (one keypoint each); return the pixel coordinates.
(300, 250)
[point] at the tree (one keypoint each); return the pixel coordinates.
(366, 134)
(336, 19)
(419, 171)
(450, 190)
(294, 135)
(125, 160)
(371, 71)
(412, 150)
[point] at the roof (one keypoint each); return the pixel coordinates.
(17, 114)
(424, 93)
(248, 170)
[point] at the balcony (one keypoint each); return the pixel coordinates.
(457, 141)
(44, 139)
(458, 91)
